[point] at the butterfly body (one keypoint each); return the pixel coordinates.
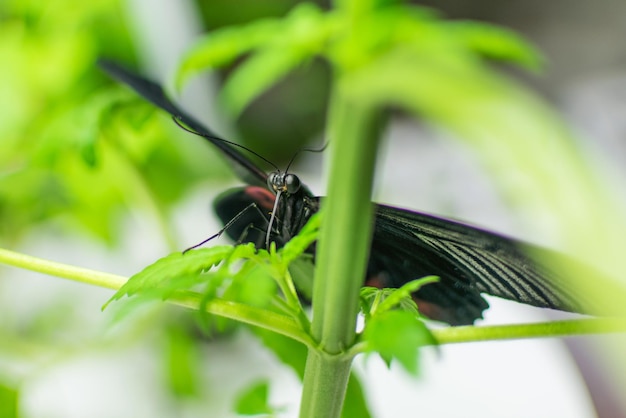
(293, 211)
(406, 245)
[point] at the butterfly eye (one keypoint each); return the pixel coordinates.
(292, 183)
(273, 181)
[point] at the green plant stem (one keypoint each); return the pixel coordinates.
(271, 321)
(553, 329)
(286, 326)
(281, 324)
(342, 252)
(345, 233)
(52, 268)
(325, 382)
(453, 335)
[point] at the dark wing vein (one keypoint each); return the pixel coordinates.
(469, 261)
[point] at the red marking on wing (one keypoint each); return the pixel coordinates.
(375, 281)
(262, 197)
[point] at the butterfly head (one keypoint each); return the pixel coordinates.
(283, 182)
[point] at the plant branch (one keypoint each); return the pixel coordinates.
(272, 321)
(66, 271)
(455, 335)
(287, 326)
(552, 329)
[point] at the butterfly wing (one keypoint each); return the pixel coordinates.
(408, 245)
(469, 261)
(151, 91)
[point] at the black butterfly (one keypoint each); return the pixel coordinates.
(406, 245)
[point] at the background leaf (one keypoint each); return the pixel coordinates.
(397, 335)
(254, 400)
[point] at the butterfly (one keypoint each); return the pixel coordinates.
(406, 244)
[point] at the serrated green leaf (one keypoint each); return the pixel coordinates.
(397, 335)
(252, 285)
(172, 267)
(369, 299)
(301, 242)
(402, 294)
(374, 301)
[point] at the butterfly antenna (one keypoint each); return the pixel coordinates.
(178, 122)
(303, 150)
(271, 222)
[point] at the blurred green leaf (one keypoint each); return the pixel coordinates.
(8, 402)
(48, 109)
(497, 43)
(397, 335)
(182, 362)
(75, 149)
(221, 48)
(301, 38)
(289, 352)
(254, 400)
(257, 74)
(355, 403)
(276, 47)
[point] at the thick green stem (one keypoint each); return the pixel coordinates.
(342, 253)
(345, 234)
(325, 382)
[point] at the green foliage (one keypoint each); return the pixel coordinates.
(393, 326)
(399, 335)
(355, 404)
(8, 402)
(241, 273)
(376, 301)
(277, 46)
(182, 362)
(49, 110)
(255, 400)
(227, 272)
(73, 150)
(497, 43)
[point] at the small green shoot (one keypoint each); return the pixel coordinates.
(393, 326)
(240, 274)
